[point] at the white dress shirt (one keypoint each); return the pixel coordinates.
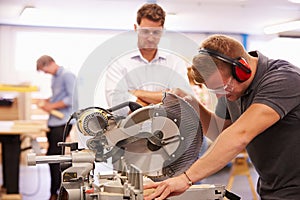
(133, 72)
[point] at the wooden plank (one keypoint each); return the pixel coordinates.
(11, 197)
(22, 127)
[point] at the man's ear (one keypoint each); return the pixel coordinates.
(135, 27)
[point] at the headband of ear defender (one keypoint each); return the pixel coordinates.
(240, 68)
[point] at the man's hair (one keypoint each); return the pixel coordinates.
(206, 65)
(152, 12)
(43, 61)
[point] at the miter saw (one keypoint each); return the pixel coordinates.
(151, 143)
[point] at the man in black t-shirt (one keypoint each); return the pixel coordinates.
(258, 109)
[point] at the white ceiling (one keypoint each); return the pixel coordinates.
(231, 16)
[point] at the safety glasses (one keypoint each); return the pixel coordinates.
(226, 89)
(150, 31)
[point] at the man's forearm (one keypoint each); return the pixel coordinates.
(148, 96)
(58, 105)
(226, 147)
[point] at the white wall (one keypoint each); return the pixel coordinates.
(20, 47)
(277, 47)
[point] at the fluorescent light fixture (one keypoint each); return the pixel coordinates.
(33, 15)
(278, 28)
(26, 10)
(294, 1)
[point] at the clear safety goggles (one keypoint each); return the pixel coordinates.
(150, 31)
(225, 89)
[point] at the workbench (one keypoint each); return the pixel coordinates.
(10, 132)
(23, 103)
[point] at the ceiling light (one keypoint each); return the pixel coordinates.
(26, 10)
(278, 28)
(295, 1)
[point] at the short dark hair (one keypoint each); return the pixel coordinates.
(152, 12)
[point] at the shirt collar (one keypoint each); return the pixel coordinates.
(159, 55)
(59, 71)
(262, 66)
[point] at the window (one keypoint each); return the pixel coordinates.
(69, 48)
(279, 48)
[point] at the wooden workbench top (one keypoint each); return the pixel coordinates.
(22, 127)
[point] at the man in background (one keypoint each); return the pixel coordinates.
(143, 75)
(64, 102)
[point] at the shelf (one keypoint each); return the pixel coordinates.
(18, 88)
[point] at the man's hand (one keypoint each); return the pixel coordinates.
(169, 187)
(45, 105)
(187, 97)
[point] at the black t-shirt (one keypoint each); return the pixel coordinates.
(275, 153)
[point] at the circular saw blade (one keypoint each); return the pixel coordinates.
(164, 140)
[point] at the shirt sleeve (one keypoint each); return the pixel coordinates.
(179, 75)
(280, 91)
(70, 88)
(116, 87)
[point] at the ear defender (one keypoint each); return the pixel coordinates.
(240, 68)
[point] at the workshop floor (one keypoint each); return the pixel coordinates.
(35, 182)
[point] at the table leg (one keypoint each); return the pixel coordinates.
(11, 162)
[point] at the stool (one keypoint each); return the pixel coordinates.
(240, 167)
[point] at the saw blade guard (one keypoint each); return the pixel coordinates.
(162, 140)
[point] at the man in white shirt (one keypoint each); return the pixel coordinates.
(144, 74)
